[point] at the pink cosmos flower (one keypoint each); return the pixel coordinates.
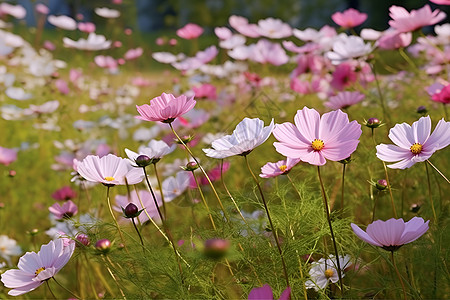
(49, 46)
(404, 21)
(394, 40)
(349, 18)
(265, 293)
(42, 9)
(393, 233)
(223, 33)
(206, 90)
(109, 170)
(107, 62)
(440, 93)
(165, 108)
(243, 27)
(268, 52)
(414, 143)
(133, 53)
(441, 2)
(87, 27)
(313, 139)
(190, 31)
(279, 168)
(344, 100)
(62, 86)
(343, 76)
(146, 198)
(36, 268)
(65, 193)
(17, 11)
(7, 156)
(67, 210)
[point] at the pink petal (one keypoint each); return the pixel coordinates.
(387, 233)
(402, 135)
(307, 121)
(414, 229)
(421, 130)
(364, 236)
(341, 151)
(440, 138)
(391, 153)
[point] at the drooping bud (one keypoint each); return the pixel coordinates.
(190, 166)
(131, 211)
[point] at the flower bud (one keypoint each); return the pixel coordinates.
(191, 166)
(103, 246)
(381, 184)
(373, 123)
(33, 232)
(216, 248)
(12, 173)
(131, 211)
(422, 110)
(186, 139)
(143, 161)
(414, 208)
(83, 239)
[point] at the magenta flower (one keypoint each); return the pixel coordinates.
(67, 210)
(404, 21)
(190, 31)
(343, 76)
(7, 156)
(393, 233)
(265, 293)
(65, 193)
(165, 108)
(109, 170)
(440, 93)
(279, 168)
(441, 2)
(314, 139)
(36, 268)
(414, 143)
(349, 18)
(206, 90)
(394, 40)
(344, 100)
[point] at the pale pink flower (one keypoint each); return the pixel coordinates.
(279, 168)
(62, 86)
(344, 99)
(42, 9)
(46, 108)
(414, 143)
(313, 139)
(36, 268)
(394, 40)
(92, 43)
(349, 18)
(223, 33)
(87, 27)
(109, 170)
(440, 93)
(7, 156)
(165, 108)
(268, 52)
(306, 48)
(106, 62)
(74, 75)
(17, 11)
(206, 90)
(63, 22)
(393, 233)
(140, 81)
(133, 53)
(49, 46)
(190, 31)
(274, 28)
(243, 27)
(67, 210)
(173, 187)
(107, 13)
(404, 21)
(8, 248)
(347, 48)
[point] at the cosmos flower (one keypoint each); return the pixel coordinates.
(7, 156)
(173, 187)
(36, 268)
(206, 90)
(67, 210)
(109, 170)
(87, 27)
(441, 2)
(440, 93)
(414, 143)
(405, 21)
(265, 293)
(325, 271)
(17, 11)
(279, 168)
(63, 22)
(155, 150)
(165, 108)
(393, 233)
(223, 33)
(94, 42)
(313, 139)
(8, 248)
(347, 48)
(349, 18)
(190, 31)
(274, 28)
(344, 100)
(243, 27)
(107, 13)
(65, 193)
(249, 134)
(133, 53)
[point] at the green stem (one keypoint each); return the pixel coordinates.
(274, 232)
(77, 297)
(160, 188)
(139, 234)
(114, 218)
(327, 211)
(113, 277)
(375, 204)
(437, 170)
(204, 201)
(380, 94)
(430, 195)
(203, 171)
(51, 292)
(295, 188)
(398, 275)
(342, 188)
(445, 110)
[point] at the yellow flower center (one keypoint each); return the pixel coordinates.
(39, 271)
(416, 148)
(317, 145)
(109, 178)
(283, 168)
(329, 273)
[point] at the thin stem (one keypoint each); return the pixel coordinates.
(342, 188)
(166, 228)
(445, 110)
(437, 170)
(380, 94)
(375, 204)
(139, 234)
(430, 195)
(160, 188)
(203, 171)
(114, 218)
(274, 232)
(113, 277)
(204, 201)
(390, 190)
(295, 188)
(77, 297)
(398, 275)
(327, 211)
(51, 292)
(408, 59)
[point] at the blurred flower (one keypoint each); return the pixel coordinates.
(313, 139)
(94, 42)
(87, 27)
(7, 156)
(249, 134)
(63, 22)
(325, 271)
(279, 168)
(165, 108)
(393, 233)
(49, 46)
(173, 187)
(45, 108)
(190, 31)
(62, 86)
(109, 170)
(274, 28)
(243, 27)
(344, 100)
(223, 33)
(393, 40)
(414, 143)
(107, 12)
(440, 93)
(404, 21)
(441, 2)
(133, 53)
(107, 62)
(17, 93)
(42, 9)
(36, 268)
(8, 248)
(67, 210)
(65, 193)
(206, 90)
(348, 47)
(17, 11)
(343, 76)
(349, 18)
(265, 293)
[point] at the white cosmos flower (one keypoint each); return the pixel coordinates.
(8, 248)
(93, 42)
(249, 134)
(325, 270)
(155, 150)
(63, 22)
(17, 93)
(173, 187)
(107, 12)
(348, 47)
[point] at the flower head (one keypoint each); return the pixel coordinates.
(405, 21)
(7, 156)
(393, 233)
(325, 271)
(249, 134)
(265, 293)
(279, 168)
(344, 100)
(35, 268)
(348, 47)
(63, 194)
(92, 43)
(67, 210)
(349, 18)
(414, 143)
(190, 31)
(165, 108)
(314, 139)
(8, 248)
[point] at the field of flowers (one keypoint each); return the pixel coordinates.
(256, 161)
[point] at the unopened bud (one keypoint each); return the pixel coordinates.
(381, 184)
(131, 211)
(191, 166)
(143, 161)
(373, 123)
(83, 239)
(422, 110)
(216, 248)
(414, 208)
(103, 246)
